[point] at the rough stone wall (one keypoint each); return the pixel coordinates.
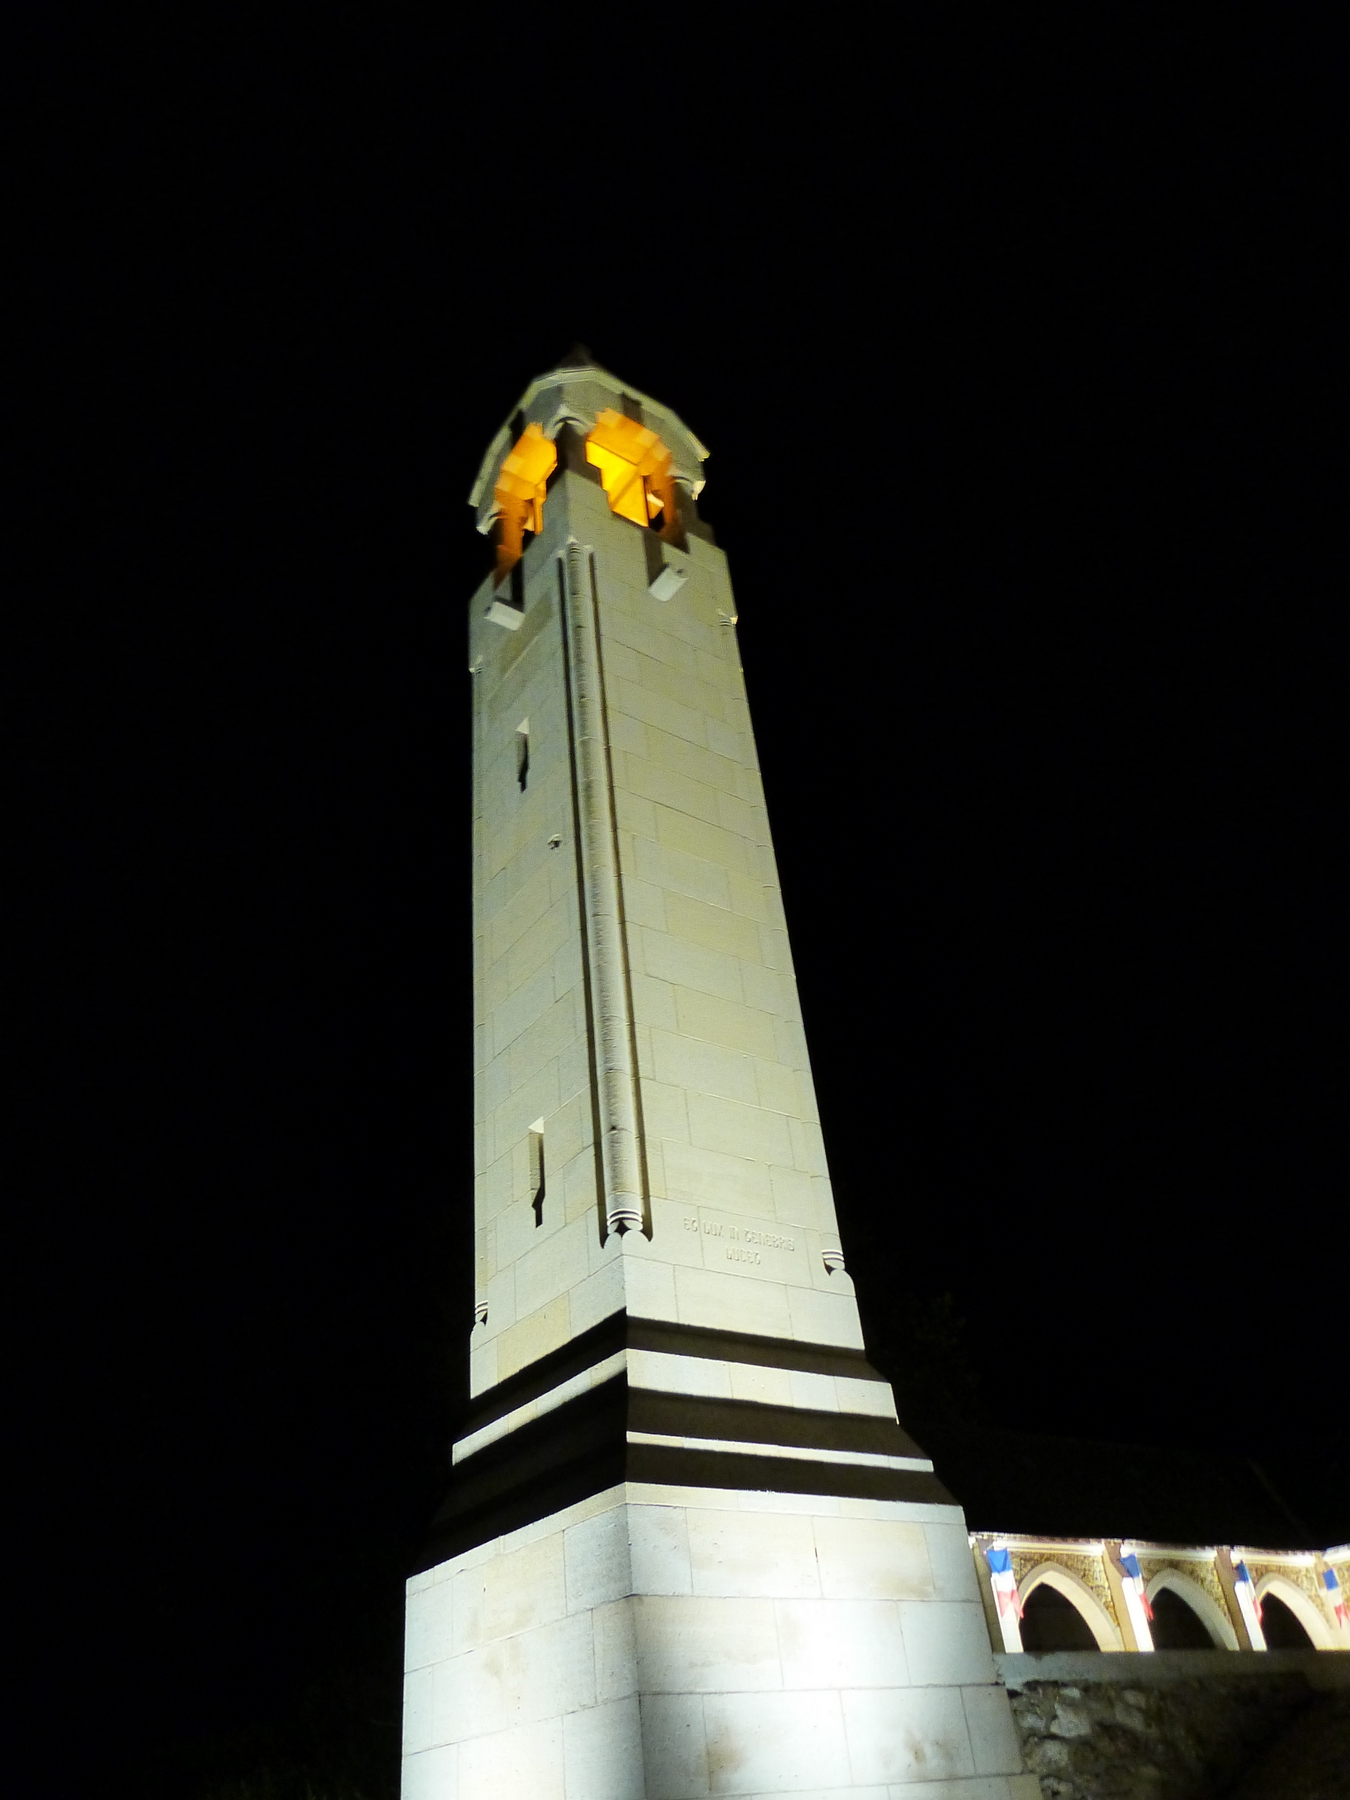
(1187, 1741)
(1308, 1761)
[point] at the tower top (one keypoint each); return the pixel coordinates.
(576, 393)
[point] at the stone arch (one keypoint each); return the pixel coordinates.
(1219, 1627)
(1095, 1616)
(1304, 1608)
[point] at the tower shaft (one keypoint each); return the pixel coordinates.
(688, 1548)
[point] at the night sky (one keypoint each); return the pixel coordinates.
(1018, 348)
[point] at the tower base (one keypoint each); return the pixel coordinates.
(676, 1643)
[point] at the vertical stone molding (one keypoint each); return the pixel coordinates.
(1125, 1614)
(480, 1021)
(623, 1202)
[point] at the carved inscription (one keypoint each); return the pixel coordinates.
(741, 1244)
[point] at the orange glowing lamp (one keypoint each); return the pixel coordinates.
(519, 495)
(634, 466)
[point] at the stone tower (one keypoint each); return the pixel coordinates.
(688, 1549)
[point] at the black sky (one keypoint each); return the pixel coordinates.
(1017, 345)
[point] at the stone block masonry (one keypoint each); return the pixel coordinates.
(656, 1643)
(688, 1549)
(635, 970)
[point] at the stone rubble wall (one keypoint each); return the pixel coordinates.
(1310, 1760)
(1181, 1727)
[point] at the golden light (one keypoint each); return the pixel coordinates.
(634, 466)
(521, 487)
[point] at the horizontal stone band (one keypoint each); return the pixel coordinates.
(801, 1452)
(621, 1332)
(595, 1376)
(678, 1379)
(581, 1446)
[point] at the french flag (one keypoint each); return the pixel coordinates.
(1134, 1575)
(1246, 1589)
(1003, 1581)
(1336, 1595)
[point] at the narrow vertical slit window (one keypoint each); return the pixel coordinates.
(537, 1171)
(523, 753)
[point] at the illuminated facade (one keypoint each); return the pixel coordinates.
(688, 1549)
(1234, 1597)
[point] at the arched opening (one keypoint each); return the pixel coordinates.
(522, 485)
(1051, 1621)
(1290, 1618)
(635, 470)
(1177, 1630)
(1176, 1626)
(1048, 1587)
(1281, 1627)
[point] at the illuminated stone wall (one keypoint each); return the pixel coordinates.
(661, 1644)
(742, 1229)
(688, 1549)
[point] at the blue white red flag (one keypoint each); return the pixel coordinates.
(1134, 1578)
(1003, 1581)
(1336, 1595)
(1241, 1576)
